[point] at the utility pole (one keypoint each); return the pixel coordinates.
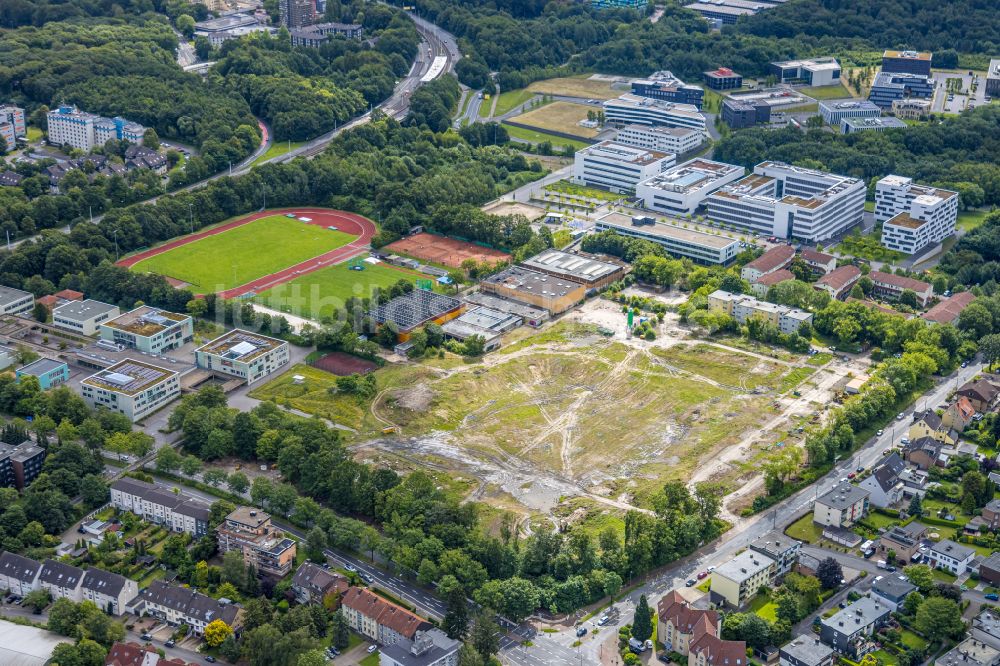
(230, 168)
(117, 255)
(191, 217)
(8, 240)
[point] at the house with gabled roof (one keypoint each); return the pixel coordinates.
(883, 483)
(109, 591)
(378, 619)
(61, 580)
(959, 414)
(18, 574)
(981, 393)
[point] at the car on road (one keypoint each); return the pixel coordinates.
(993, 596)
(210, 659)
(372, 649)
(664, 657)
(171, 643)
(603, 621)
(710, 569)
(900, 416)
(146, 637)
(879, 432)
(581, 631)
(691, 582)
(859, 470)
(851, 475)
(368, 579)
(351, 568)
(965, 364)
(702, 574)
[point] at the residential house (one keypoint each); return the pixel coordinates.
(61, 580)
(312, 582)
(842, 506)
(737, 581)
(109, 591)
(263, 546)
(891, 286)
(153, 505)
(819, 263)
(838, 282)
(182, 605)
(951, 556)
(981, 393)
(427, 648)
(959, 414)
(892, 589)
(851, 630)
(914, 482)
(948, 309)
(989, 570)
(926, 452)
(778, 257)
(986, 627)
(929, 424)
(765, 282)
(678, 622)
(884, 484)
(710, 650)
(379, 620)
(904, 540)
(991, 514)
(781, 548)
(18, 574)
(133, 654)
(805, 650)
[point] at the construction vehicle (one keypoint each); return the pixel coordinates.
(388, 430)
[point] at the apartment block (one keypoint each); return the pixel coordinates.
(678, 623)
(889, 87)
(913, 216)
(177, 605)
(907, 62)
(83, 317)
(839, 281)
(681, 189)
(723, 78)
(378, 619)
(666, 87)
(774, 259)
(630, 109)
(153, 505)
(674, 140)
(805, 650)
(108, 591)
(132, 388)
(742, 307)
(263, 546)
(239, 353)
(15, 301)
(20, 465)
(842, 506)
(63, 581)
(86, 131)
(312, 582)
(781, 548)
(890, 287)
(835, 111)
(12, 126)
(700, 247)
(737, 581)
(297, 13)
(815, 72)
(851, 631)
(854, 125)
(618, 167)
(148, 329)
(786, 201)
(18, 574)
(819, 263)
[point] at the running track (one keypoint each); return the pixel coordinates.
(350, 223)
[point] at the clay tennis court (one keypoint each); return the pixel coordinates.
(443, 250)
(341, 364)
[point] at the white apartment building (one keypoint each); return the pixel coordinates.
(79, 129)
(132, 388)
(149, 330)
(61, 580)
(618, 167)
(83, 316)
(951, 556)
(632, 109)
(12, 125)
(108, 591)
(240, 353)
(913, 216)
(700, 247)
(676, 140)
(15, 301)
(161, 508)
(18, 574)
(790, 202)
(742, 307)
(737, 581)
(842, 506)
(681, 189)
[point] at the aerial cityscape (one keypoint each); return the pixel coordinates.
(474, 333)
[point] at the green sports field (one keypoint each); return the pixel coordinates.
(317, 294)
(244, 253)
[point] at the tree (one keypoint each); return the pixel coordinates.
(233, 570)
(168, 460)
(311, 658)
(217, 631)
(514, 598)
(185, 26)
(912, 603)
(84, 653)
(38, 600)
(829, 573)
(485, 634)
(938, 619)
(316, 544)
(456, 617)
(920, 575)
(340, 631)
(989, 345)
(238, 482)
(749, 627)
(190, 465)
(916, 507)
(475, 345)
(642, 625)
(214, 477)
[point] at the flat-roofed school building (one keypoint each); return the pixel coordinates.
(132, 388)
(557, 295)
(15, 301)
(239, 353)
(149, 330)
(591, 273)
(700, 247)
(83, 316)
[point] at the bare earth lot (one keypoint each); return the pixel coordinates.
(559, 117)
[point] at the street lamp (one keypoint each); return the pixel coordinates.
(191, 217)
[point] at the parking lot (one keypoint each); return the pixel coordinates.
(958, 99)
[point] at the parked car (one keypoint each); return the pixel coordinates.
(372, 649)
(210, 659)
(691, 582)
(171, 643)
(702, 574)
(603, 621)
(900, 416)
(146, 637)
(581, 631)
(993, 596)
(351, 568)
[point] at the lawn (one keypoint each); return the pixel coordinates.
(869, 247)
(532, 136)
(511, 99)
(370, 660)
(822, 358)
(559, 117)
(970, 219)
(884, 657)
(319, 293)
(575, 87)
(804, 529)
(34, 134)
(764, 607)
(235, 257)
(911, 640)
(566, 187)
(826, 92)
(794, 377)
(277, 149)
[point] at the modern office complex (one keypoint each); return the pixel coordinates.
(726, 13)
(20, 465)
(617, 167)
(835, 111)
(316, 35)
(249, 532)
(12, 126)
(913, 216)
(666, 87)
(47, 371)
(156, 506)
(250, 356)
(632, 109)
(790, 202)
(742, 307)
(675, 140)
(15, 301)
(681, 189)
(700, 247)
(852, 125)
(149, 330)
(815, 72)
(723, 79)
(993, 78)
(739, 114)
(907, 62)
(132, 388)
(84, 316)
(297, 13)
(70, 126)
(889, 87)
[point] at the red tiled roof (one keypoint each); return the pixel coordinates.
(899, 281)
(809, 254)
(384, 612)
(965, 408)
(776, 277)
(718, 652)
(777, 257)
(948, 310)
(69, 295)
(48, 301)
(839, 278)
(674, 607)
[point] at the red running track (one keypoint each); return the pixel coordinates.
(350, 223)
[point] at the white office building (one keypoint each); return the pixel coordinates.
(835, 111)
(617, 167)
(132, 388)
(250, 356)
(149, 330)
(15, 301)
(790, 202)
(681, 189)
(913, 216)
(700, 247)
(79, 129)
(84, 316)
(854, 125)
(815, 72)
(632, 109)
(676, 140)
